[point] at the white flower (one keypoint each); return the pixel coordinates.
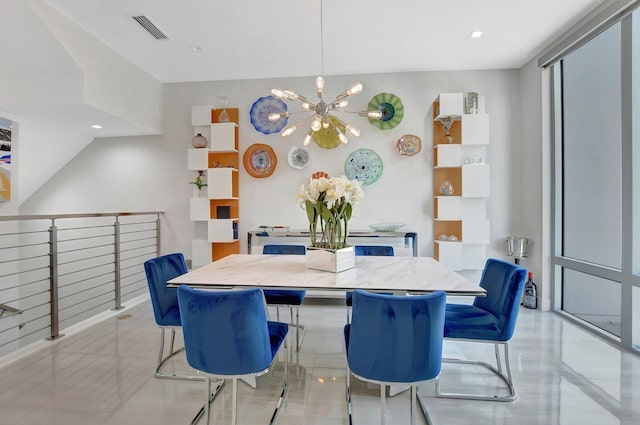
(325, 201)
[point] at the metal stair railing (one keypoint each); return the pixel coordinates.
(57, 270)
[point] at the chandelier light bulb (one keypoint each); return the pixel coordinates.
(341, 135)
(353, 130)
(374, 114)
(307, 138)
(315, 124)
(276, 116)
(289, 130)
(325, 122)
(319, 86)
(341, 104)
(354, 89)
(276, 92)
(290, 94)
(308, 106)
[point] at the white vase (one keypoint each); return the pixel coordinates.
(199, 193)
(331, 260)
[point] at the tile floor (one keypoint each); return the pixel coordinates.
(103, 375)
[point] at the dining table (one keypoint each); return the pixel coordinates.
(397, 274)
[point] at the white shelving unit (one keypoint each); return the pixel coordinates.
(461, 217)
(216, 216)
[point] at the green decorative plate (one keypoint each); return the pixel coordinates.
(391, 107)
(326, 137)
(363, 165)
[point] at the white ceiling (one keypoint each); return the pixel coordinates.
(250, 39)
(41, 80)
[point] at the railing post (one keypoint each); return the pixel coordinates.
(117, 289)
(158, 235)
(53, 282)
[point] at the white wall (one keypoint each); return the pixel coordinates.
(38, 152)
(149, 173)
(528, 163)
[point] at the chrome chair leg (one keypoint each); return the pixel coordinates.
(498, 360)
(299, 335)
(173, 340)
(162, 360)
(205, 409)
(382, 403)
(507, 379)
(234, 403)
(348, 394)
(285, 390)
(299, 327)
(413, 405)
(207, 406)
(423, 407)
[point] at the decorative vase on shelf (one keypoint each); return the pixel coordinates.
(199, 141)
(446, 188)
(471, 103)
(447, 123)
(224, 115)
(199, 193)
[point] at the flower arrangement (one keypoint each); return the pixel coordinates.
(199, 181)
(329, 202)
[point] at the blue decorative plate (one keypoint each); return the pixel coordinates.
(260, 111)
(363, 165)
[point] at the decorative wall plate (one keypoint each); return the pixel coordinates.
(259, 160)
(409, 145)
(390, 106)
(298, 157)
(326, 137)
(260, 111)
(363, 165)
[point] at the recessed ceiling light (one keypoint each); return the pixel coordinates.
(475, 34)
(196, 49)
(96, 126)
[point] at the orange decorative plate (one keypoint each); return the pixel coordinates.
(259, 160)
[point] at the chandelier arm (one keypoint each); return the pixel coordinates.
(351, 129)
(373, 114)
(277, 116)
(293, 127)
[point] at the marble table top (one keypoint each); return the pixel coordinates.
(415, 274)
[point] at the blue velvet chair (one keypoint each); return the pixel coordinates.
(491, 319)
(395, 340)
(227, 336)
(287, 297)
(165, 305)
(368, 250)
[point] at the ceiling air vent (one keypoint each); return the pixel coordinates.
(150, 27)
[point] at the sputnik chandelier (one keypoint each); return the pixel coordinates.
(323, 124)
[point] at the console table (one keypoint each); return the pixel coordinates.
(404, 244)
